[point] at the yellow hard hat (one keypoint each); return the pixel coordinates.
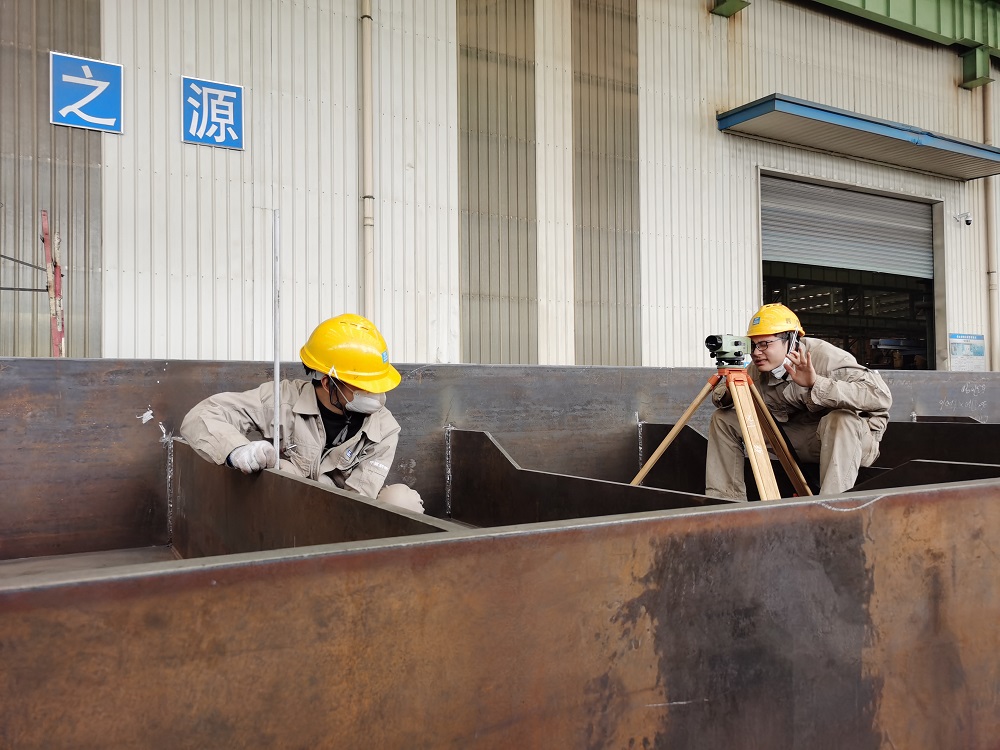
(350, 348)
(774, 318)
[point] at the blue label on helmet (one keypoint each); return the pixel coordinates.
(385, 356)
(756, 320)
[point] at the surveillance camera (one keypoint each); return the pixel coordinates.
(968, 220)
(965, 217)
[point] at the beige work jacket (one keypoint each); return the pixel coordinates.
(223, 422)
(841, 383)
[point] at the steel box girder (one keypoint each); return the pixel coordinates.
(798, 624)
(218, 511)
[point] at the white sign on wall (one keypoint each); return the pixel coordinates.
(968, 352)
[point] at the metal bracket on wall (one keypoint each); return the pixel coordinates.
(976, 67)
(729, 8)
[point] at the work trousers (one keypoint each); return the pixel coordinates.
(841, 442)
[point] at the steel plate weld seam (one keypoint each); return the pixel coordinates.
(168, 441)
(851, 510)
(638, 424)
(447, 469)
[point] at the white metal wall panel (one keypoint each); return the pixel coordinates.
(416, 179)
(825, 226)
(188, 269)
(188, 228)
(699, 272)
(700, 188)
(605, 147)
(497, 183)
(554, 177)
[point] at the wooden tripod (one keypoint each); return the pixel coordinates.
(753, 417)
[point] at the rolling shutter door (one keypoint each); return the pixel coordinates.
(824, 226)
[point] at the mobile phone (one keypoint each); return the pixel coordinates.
(793, 345)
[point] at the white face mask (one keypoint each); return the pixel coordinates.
(365, 403)
(779, 371)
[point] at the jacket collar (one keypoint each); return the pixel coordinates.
(377, 426)
(306, 402)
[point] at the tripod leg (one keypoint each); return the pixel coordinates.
(712, 382)
(760, 462)
(777, 441)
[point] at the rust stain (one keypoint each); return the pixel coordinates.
(933, 641)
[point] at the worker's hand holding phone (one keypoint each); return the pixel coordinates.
(799, 364)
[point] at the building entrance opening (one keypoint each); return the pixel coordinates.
(856, 267)
(885, 320)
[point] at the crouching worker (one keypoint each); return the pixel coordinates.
(335, 427)
(831, 409)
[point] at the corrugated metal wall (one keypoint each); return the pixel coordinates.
(606, 182)
(497, 162)
(549, 95)
(416, 180)
(45, 167)
(554, 178)
(185, 231)
(188, 229)
(699, 209)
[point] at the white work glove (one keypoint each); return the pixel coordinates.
(402, 497)
(254, 456)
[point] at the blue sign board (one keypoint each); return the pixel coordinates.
(212, 113)
(85, 93)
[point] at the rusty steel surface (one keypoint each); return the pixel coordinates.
(855, 622)
(84, 561)
(218, 511)
(73, 429)
(911, 453)
(489, 489)
(939, 441)
(79, 471)
(682, 465)
(920, 472)
(558, 419)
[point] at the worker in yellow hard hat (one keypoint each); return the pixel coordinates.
(832, 410)
(335, 427)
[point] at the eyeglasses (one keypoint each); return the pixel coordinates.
(762, 345)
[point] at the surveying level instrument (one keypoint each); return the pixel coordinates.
(728, 350)
(754, 418)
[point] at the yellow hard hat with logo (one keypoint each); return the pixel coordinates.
(774, 318)
(350, 348)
